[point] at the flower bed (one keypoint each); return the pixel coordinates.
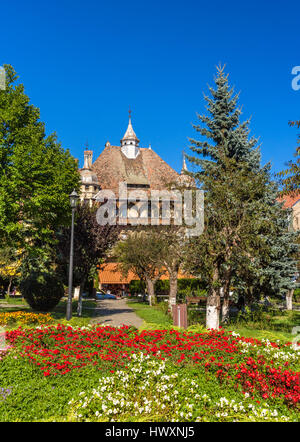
(149, 390)
(259, 369)
(24, 318)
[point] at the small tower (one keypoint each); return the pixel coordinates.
(130, 142)
(184, 178)
(89, 181)
(184, 166)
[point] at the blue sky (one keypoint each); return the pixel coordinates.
(84, 63)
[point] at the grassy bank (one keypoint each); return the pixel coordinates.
(151, 315)
(266, 325)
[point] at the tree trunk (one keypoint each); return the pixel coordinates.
(226, 297)
(225, 308)
(213, 310)
(150, 289)
(213, 303)
(173, 288)
(289, 300)
(8, 289)
(79, 306)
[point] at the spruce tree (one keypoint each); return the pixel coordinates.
(224, 140)
(290, 178)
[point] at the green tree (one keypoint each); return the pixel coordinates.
(92, 242)
(10, 263)
(233, 223)
(142, 253)
(290, 177)
(36, 174)
(226, 157)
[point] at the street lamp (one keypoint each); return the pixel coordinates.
(73, 203)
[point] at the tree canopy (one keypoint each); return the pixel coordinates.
(36, 173)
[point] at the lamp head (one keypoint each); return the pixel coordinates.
(73, 199)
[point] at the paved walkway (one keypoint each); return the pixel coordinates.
(7, 305)
(115, 312)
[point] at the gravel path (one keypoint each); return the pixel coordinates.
(115, 312)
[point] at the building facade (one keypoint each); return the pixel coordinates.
(293, 202)
(142, 169)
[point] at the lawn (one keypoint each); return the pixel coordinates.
(151, 315)
(265, 325)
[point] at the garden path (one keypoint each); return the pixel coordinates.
(115, 312)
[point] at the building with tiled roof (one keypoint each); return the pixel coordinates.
(293, 202)
(141, 168)
(112, 279)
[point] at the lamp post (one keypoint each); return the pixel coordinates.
(73, 203)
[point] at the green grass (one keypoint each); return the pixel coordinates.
(272, 326)
(152, 315)
(14, 300)
(35, 398)
(261, 334)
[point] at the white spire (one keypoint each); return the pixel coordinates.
(130, 135)
(184, 166)
(130, 142)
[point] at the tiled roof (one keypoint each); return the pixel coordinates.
(148, 169)
(109, 274)
(290, 201)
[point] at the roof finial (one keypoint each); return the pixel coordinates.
(86, 145)
(184, 166)
(130, 136)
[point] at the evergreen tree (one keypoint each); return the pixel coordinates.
(290, 178)
(225, 147)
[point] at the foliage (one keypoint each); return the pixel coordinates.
(136, 286)
(10, 263)
(91, 244)
(42, 291)
(152, 315)
(36, 175)
(290, 178)
(142, 253)
(245, 237)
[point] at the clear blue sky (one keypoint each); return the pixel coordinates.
(84, 63)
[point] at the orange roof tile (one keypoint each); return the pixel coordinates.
(290, 200)
(110, 274)
(113, 167)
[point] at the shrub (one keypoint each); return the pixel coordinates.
(297, 295)
(42, 291)
(136, 287)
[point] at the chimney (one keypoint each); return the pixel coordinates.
(88, 159)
